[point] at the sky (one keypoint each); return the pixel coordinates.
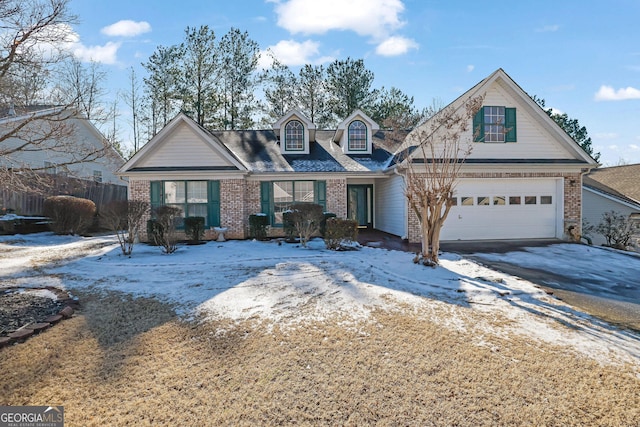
(583, 58)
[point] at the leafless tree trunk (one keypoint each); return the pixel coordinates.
(433, 156)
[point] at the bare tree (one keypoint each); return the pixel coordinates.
(125, 218)
(433, 157)
(32, 48)
(134, 101)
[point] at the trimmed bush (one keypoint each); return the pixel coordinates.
(194, 228)
(68, 214)
(258, 224)
(323, 224)
(340, 232)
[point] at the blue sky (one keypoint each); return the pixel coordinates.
(582, 57)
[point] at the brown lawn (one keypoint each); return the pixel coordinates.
(131, 362)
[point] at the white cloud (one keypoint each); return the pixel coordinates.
(634, 147)
(373, 18)
(126, 28)
(470, 68)
(608, 93)
(106, 54)
(291, 52)
(548, 29)
(396, 45)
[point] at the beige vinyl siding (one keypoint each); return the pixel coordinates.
(184, 148)
(533, 141)
(594, 205)
(83, 140)
(391, 206)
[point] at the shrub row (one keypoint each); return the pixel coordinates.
(69, 215)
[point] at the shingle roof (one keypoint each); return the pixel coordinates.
(620, 181)
(260, 151)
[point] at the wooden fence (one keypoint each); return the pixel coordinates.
(31, 203)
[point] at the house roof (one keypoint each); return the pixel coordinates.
(259, 150)
(622, 182)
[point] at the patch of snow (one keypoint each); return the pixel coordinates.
(289, 284)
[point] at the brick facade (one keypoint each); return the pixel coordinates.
(233, 211)
(572, 184)
(337, 197)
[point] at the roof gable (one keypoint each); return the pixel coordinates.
(181, 144)
(539, 138)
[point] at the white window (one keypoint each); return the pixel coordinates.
(97, 176)
(494, 124)
(357, 136)
(294, 136)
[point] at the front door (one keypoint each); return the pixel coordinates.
(360, 204)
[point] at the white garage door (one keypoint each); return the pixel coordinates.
(504, 209)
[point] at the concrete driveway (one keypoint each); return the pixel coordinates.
(602, 282)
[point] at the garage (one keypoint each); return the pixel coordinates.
(505, 209)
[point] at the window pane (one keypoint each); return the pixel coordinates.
(515, 200)
(545, 200)
(357, 136)
(466, 201)
(304, 191)
(283, 192)
(196, 192)
(494, 124)
(483, 201)
(294, 136)
(498, 200)
(174, 192)
(529, 200)
(454, 201)
(198, 210)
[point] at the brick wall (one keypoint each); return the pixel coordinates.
(572, 200)
(140, 190)
(233, 207)
(337, 197)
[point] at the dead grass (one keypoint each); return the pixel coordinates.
(127, 361)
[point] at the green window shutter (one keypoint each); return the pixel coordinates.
(478, 126)
(213, 197)
(510, 124)
(156, 194)
(321, 194)
(266, 199)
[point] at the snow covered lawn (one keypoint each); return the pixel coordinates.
(286, 284)
(366, 335)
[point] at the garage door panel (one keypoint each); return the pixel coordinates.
(506, 221)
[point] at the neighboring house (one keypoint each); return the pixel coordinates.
(66, 140)
(611, 189)
(81, 137)
(522, 179)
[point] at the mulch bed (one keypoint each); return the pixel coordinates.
(24, 313)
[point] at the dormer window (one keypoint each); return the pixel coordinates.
(294, 133)
(294, 136)
(357, 136)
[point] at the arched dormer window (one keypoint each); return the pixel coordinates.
(294, 136)
(357, 136)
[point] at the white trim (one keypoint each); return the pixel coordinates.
(161, 136)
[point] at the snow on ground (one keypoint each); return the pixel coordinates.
(288, 284)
